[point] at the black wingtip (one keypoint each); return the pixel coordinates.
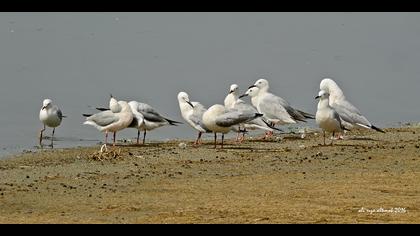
(271, 126)
(102, 109)
(173, 122)
(377, 129)
(307, 115)
(258, 114)
(86, 115)
(344, 128)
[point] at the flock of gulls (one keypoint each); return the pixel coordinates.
(334, 114)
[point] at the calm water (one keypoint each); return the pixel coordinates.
(77, 59)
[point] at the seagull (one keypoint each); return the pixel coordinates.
(271, 107)
(220, 119)
(232, 101)
(326, 117)
(275, 109)
(113, 105)
(349, 114)
(232, 96)
(108, 121)
(51, 116)
(146, 119)
(192, 112)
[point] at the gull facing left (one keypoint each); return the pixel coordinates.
(51, 116)
(326, 117)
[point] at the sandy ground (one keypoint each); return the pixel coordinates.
(374, 178)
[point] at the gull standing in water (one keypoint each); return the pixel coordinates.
(348, 113)
(192, 112)
(326, 117)
(51, 116)
(146, 119)
(220, 120)
(232, 101)
(108, 121)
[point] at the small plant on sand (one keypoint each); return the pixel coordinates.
(106, 154)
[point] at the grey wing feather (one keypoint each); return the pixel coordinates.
(103, 118)
(197, 116)
(57, 111)
(272, 109)
(234, 117)
(241, 105)
(348, 106)
(337, 118)
(60, 114)
(349, 116)
(295, 114)
(149, 113)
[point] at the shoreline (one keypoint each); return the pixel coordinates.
(369, 179)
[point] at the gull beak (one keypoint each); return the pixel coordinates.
(252, 86)
(243, 95)
(230, 91)
(43, 107)
(317, 97)
(190, 104)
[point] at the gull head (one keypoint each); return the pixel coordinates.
(46, 103)
(252, 92)
(322, 95)
(233, 88)
(327, 84)
(183, 97)
(261, 83)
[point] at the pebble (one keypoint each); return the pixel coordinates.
(182, 145)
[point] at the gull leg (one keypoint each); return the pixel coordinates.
(223, 138)
(332, 140)
(324, 138)
(198, 139)
(243, 137)
(106, 137)
(144, 137)
(138, 136)
(237, 136)
(215, 139)
(52, 138)
(40, 136)
(115, 134)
